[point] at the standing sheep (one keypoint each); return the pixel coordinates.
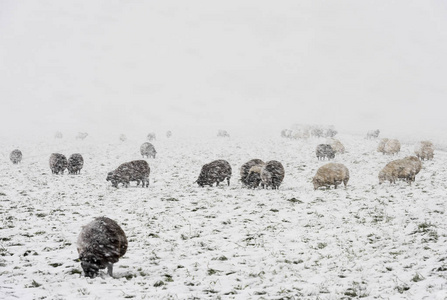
(137, 170)
(168, 134)
(325, 150)
(148, 150)
(81, 135)
(58, 135)
(372, 134)
(272, 174)
(336, 145)
(151, 136)
(245, 169)
(331, 174)
(381, 146)
(123, 137)
(392, 147)
(100, 244)
(424, 150)
(15, 156)
(75, 163)
(222, 133)
(253, 178)
(214, 172)
(58, 163)
(406, 168)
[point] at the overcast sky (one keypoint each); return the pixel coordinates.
(140, 66)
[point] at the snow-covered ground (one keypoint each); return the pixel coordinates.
(186, 242)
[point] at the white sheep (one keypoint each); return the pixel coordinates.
(331, 174)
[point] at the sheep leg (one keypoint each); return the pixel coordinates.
(228, 181)
(110, 269)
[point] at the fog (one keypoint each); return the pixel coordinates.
(111, 67)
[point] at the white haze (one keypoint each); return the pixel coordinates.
(111, 67)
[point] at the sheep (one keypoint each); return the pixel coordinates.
(245, 169)
(330, 132)
(253, 178)
(151, 136)
(168, 134)
(101, 243)
(272, 174)
(15, 156)
(325, 150)
(331, 174)
(286, 133)
(75, 163)
(58, 163)
(148, 150)
(392, 147)
(222, 133)
(381, 145)
(406, 168)
(424, 150)
(58, 135)
(336, 145)
(372, 134)
(123, 137)
(81, 135)
(136, 170)
(214, 172)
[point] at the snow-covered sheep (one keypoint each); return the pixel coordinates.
(392, 147)
(151, 136)
(222, 133)
(381, 145)
(81, 135)
(272, 174)
(58, 163)
(214, 172)
(324, 150)
(336, 145)
(15, 156)
(75, 163)
(372, 134)
(136, 170)
(424, 150)
(123, 137)
(286, 133)
(168, 134)
(406, 168)
(58, 135)
(101, 243)
(245, 170)
(331, 174)
(148, 150)
(330, 132)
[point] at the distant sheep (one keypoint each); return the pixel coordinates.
(222, 133)
(58, 163)
(75, 163)
(245, 169)
(58, 135)
(151, 136)
(15, 156)
(406, 168)
(336, 145)
(214, 172)
(81, 135)
(392, 147)
(168, 134)
(424, 150)
(123, 138)
(148, 150)
(381, 146)
(100, 244)
(372, 134)
(331, 174)
(330, 132)
(286, 133)
(137, 170)
(272, 174)
(324, 150)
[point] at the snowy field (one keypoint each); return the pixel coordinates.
(227, 242)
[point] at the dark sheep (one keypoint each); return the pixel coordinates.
(148, 150)
(272, 174)
(214, 172)
(325, 150)
(58, 163)
(75, 163)
(245, 170)
(100, 244)
(137, 170)
(15, 156)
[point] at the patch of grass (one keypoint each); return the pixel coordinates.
(34, 284)
(417, 277)
(55, 265)
(295, 200)
(159, 283)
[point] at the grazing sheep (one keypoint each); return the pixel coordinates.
(272, 174)
(136, 170)
(331, 174)
(222, 133)
(316, 131)
(58, 163)
(245, 169)
(325, 150)
(168, 134)
(406, 168)
(81, 135)
(381, 146)
(392, 147)
(123, 138)
(101, 243)
(148, 150)
(214, 172)
(75, 163)
(424, 150)
(372, 134)
(286, 133)
(151, 136)
(58, 135)
(15, 156)
(330, 132)
(254, 178)
(336, 145)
